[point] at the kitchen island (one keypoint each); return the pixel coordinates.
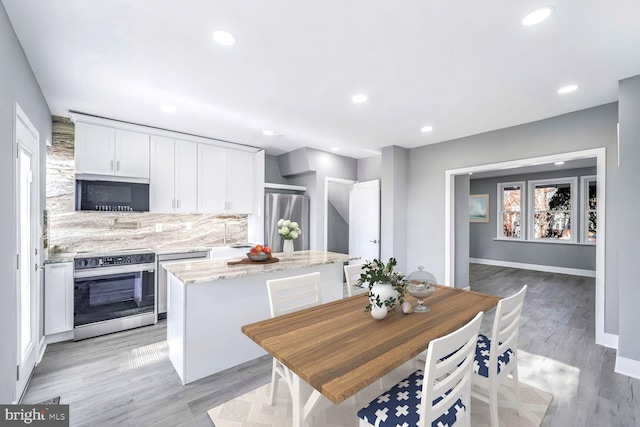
(209, 302)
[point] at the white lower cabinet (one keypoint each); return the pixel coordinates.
(58, 298)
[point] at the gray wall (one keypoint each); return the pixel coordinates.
(310, 167)
(272, 170)
(482, 235)
(338, 232)
(17, 84)
(629, 226)
(393, 207)
(369, 168)
(461, 275)
(425, 233)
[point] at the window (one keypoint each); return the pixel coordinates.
(510, 203)
(552, 209)
(589, 207)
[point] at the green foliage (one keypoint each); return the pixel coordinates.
(377, 272)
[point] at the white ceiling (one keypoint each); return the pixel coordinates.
(461, 67)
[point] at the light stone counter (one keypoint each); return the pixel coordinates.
(190, 272)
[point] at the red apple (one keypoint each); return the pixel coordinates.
(266, 249)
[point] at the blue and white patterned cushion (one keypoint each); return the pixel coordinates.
(481, 361)
(400, 406)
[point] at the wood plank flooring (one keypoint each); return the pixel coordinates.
(126, 379)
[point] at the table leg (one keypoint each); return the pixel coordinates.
(305, 401)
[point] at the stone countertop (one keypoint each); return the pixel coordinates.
(60, 257)
(211, 270)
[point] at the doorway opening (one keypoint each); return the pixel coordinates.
(599, 154)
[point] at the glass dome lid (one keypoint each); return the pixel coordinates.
(422, 276)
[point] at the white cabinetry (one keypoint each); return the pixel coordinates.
(173, 183)
(58, 298)
(102, 150)
(225, 180)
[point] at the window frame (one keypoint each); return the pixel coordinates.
(584, 208)
(500, 212)
(573, 184)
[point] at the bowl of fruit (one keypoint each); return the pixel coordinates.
(259, 253)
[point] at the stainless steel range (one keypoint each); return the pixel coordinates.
(113, 291)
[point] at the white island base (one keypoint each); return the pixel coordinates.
(207, 307)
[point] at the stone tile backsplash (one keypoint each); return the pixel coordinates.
(82, 231)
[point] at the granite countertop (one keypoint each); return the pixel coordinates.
(211, 270)
(60, 257)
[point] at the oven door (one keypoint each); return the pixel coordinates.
(109, 293)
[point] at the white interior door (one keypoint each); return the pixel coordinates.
(27, 207)
(365, 221)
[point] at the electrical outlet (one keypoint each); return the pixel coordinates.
(158, 228)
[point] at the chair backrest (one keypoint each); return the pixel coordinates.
(352, 273)
(448, 371)
(294, 293)
(505, 328)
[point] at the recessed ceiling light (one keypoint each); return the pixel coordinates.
(559, 163)
(359, 98)
(568, 89)
(426, 129)
(335, 148)
(537, 16)
(268, 132)
(169, 108)
(470, 173)
(224, 37)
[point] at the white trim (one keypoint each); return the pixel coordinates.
(628, 367)
(610, 340)
(535, 267)
(599, 154)
(531, 209)
(42, 347)
(468, 288)
(500, 211)
(274, 186)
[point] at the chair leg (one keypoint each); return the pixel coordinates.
(493, 404)
(516, 383)
(273, 389)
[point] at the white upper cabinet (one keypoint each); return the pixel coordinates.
(225, 180)
(102, 150)
(186, 186)
(240, 182)
(95, 149)
(173, 183)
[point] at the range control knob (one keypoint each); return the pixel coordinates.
(93, 262)
(82, 263)
(138, 258)
(148, 258)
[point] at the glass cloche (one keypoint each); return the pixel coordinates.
(420, 284)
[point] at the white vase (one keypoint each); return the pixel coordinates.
(384, 291)
(287, 248)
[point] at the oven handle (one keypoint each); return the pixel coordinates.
(106, 271)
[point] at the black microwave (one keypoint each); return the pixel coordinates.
(111, 196)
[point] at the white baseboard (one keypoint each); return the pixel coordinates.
(61, 336)
(41, 349)
(628, 367)
(468, 288)
(535, 267)
(608, 340)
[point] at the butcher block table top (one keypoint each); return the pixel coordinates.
(339, 350)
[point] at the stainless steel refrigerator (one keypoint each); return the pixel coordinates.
(294, 207)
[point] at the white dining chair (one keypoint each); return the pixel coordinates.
(286, 296)
(352, 274)
(437, 396)
(497, 357)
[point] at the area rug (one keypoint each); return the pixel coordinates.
(253, 410)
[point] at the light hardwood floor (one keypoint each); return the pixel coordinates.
(126, 379)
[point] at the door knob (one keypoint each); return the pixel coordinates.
(374, 241)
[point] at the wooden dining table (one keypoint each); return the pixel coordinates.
(336, 349)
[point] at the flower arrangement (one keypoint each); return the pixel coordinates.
(375, 271)
(289, 230)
